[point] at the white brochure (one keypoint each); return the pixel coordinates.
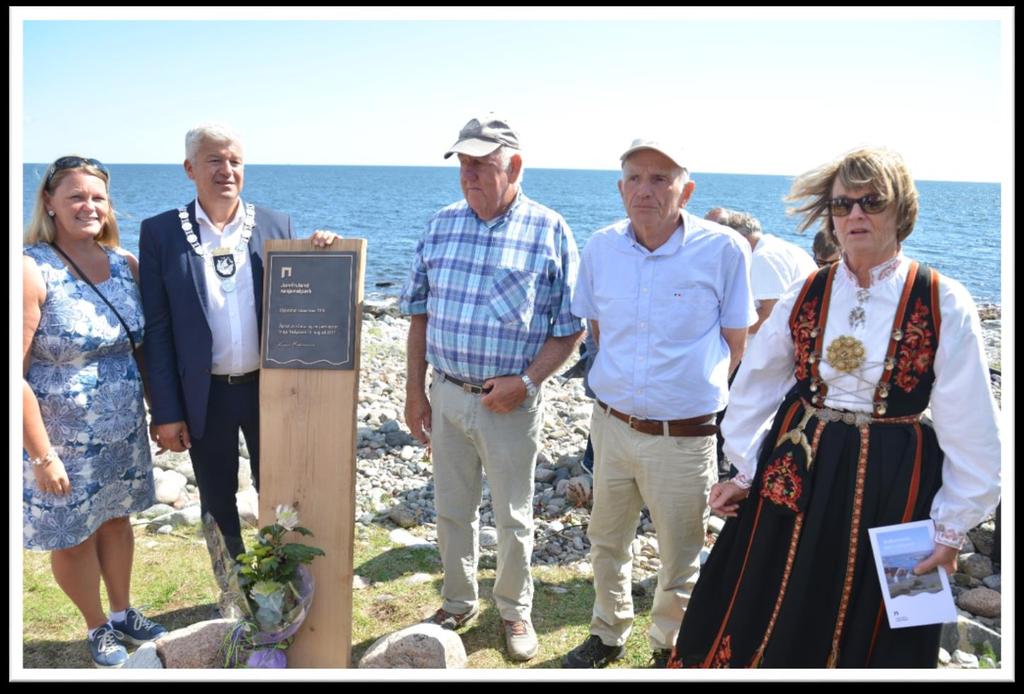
(910, 600)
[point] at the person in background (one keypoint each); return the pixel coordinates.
(825, 429)
(825, 252)
(86, 460)
(668, 300)
(489, 296)
(201, 268)
(775, 264)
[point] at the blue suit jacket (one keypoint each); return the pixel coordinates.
(178, 344)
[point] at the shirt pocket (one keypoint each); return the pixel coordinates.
(513, 296)
(688, 312)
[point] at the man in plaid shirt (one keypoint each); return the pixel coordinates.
(489, 300)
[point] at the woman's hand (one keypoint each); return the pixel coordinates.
(725, 499)
(51, 477)
(944, 556)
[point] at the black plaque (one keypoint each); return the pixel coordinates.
(310, 318)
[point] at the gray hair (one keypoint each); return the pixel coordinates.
(746, 224)
(209, 132)
(504, 154)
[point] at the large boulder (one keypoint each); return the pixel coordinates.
(970, 636)
(418, 646)
(984, 602)
(200, 645)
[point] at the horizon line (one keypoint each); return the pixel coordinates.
(532, 168)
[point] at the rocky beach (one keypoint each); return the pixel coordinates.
(395, 489)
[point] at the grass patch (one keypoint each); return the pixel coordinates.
(172, 583)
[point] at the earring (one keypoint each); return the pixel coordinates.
(50, 212)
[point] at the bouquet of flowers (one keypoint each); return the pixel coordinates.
(276, 589)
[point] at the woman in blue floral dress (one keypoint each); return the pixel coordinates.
(87, 462)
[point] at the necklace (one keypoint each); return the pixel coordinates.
(857, 315)
(222, 258)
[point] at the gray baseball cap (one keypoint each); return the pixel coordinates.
(673, 152)
(481, 136)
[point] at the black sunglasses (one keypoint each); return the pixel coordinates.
(872, 204)
(72, 163)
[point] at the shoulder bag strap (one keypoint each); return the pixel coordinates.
(105, 300)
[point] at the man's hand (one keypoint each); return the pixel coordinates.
(943, 556)
(725, 499)
(322, 238)
(172, 436)
(417, 415)
(503, 394)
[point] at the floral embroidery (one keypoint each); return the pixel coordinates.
(723, 654)
(949, 536)
(917, 349)
(742, 481)
(782, 484)
(802, 336)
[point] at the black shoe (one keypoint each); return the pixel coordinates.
(659, 658)
(592, 653)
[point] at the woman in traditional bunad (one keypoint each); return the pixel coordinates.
(855, 354)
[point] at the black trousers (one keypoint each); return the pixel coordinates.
(215, 455)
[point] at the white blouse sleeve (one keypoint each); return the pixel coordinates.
(965, 417)
(764, 377)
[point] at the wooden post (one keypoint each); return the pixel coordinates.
(307, 458)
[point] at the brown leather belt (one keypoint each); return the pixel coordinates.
(694, 426)
(468, 387)
(234, 380)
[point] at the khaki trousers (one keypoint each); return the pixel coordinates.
(673, 476)
(468, 440)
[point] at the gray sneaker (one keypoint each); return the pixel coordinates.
(520, 638)
(449, 620)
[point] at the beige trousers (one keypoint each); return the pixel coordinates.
(468, 440)
(672, 475)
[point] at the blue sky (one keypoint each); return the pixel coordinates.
(778, 93)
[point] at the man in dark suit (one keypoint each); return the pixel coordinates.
(201, 274)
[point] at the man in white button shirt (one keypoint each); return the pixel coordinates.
(201, 276)
(668, 298)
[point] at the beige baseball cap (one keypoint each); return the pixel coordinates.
(673, 152)
(481, 136)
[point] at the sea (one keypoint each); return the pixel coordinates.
(957, 231)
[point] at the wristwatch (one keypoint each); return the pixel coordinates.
(531, 389)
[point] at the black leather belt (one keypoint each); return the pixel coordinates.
(468, 387)
(233, 380)
(694, 426)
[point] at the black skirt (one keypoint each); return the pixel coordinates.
(791, 581)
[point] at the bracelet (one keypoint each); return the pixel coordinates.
(43, 461)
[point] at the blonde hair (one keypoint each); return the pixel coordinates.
(41, 227)
(880, 169)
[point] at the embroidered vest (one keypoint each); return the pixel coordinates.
(906, 382)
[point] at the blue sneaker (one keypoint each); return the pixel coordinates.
(106, 649)
(137, 629)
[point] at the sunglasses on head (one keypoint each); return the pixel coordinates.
(72, 163)
(871, 204)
